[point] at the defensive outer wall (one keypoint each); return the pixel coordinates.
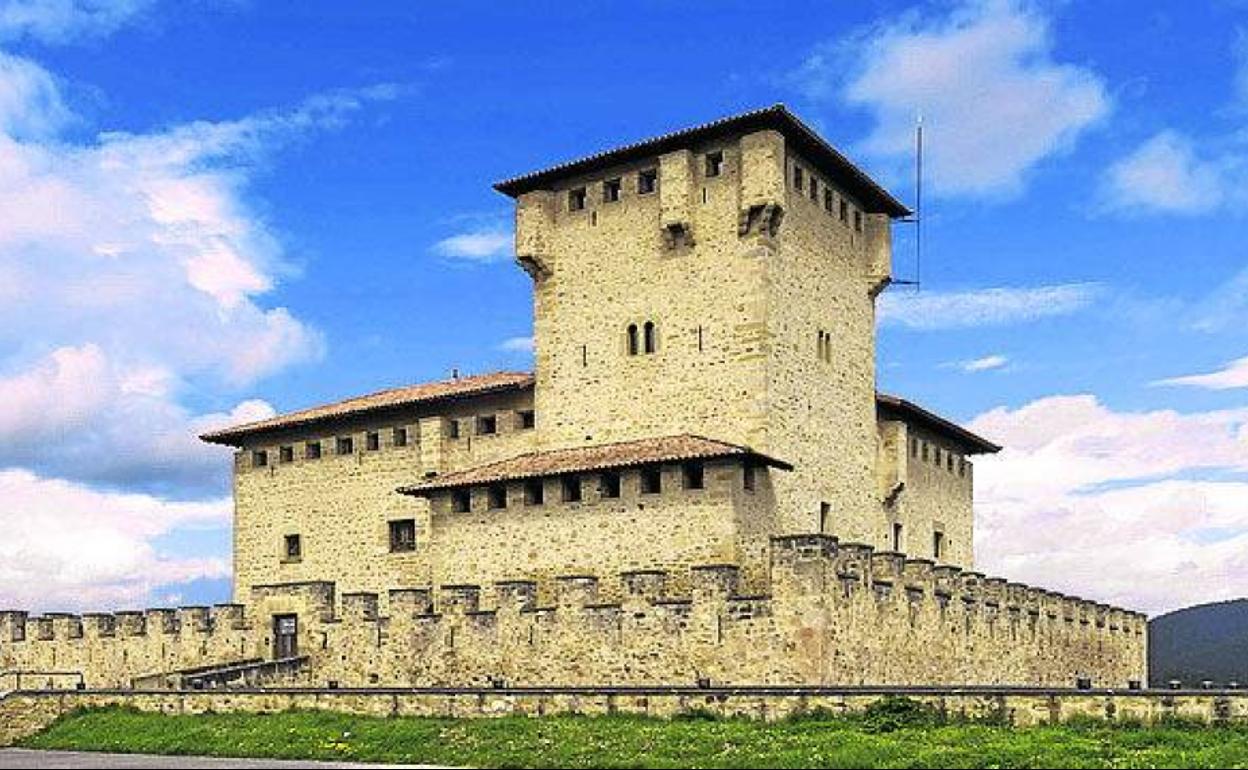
(838, 615)
(24, 713)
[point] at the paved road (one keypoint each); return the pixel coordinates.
(76, 759)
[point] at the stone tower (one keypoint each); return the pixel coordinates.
(718, 281)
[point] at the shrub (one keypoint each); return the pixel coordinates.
(894, 712)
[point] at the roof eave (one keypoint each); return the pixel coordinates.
(233, 436)
(776, 116)
(433, 485)
(974, 441)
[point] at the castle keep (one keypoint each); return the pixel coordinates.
(698, 482)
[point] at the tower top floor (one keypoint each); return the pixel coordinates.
(798, 137)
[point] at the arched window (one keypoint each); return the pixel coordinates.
(825, 346)
(651, 342)
(633, 344)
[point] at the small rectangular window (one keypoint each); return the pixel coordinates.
(461, 500)
(938, 544)
(609, 484)
(647, 181)
(714, 163)
(487, 425)
(829, 201)
(962, 463)
(949, 461)
(534, 492)
(814, 189)
(576, 199)
(914, 447)
(402, 535)
(799, 179)
(693, 475)
(611, 190)
(925, 450)
(651, 480)
(526, 419)
(293, 548)
(400, 436)
(286, 454)
(825, 517)
(844, 213)
(345, 445)
(259, 458)
(312, 450)
(496, 496)
(372, 441)
(748, 481)
(452, 429)
(571, 489)
(897, 536)
(857, 220)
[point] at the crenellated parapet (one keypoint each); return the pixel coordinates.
(116, 649)
(832, 613)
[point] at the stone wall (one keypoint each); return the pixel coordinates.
(23, 714)
(110, 650)
(340, 505)
(671, 530)
(761, 286)
(822, 277)
(926, 483)
(671, 257)
(836, 614)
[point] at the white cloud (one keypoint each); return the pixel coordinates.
(1147, 509)
(984, 364)
(488, 245)
(1226, 307)
(146, 244)
(1165, 174)
(110, 561)
(1173, 173)
(77, 414)
(134, 269)
(133, 273)
(30, 99)
(517, 345)
(58, 21)
(1233, 375)
(983, 307)
(994, 101)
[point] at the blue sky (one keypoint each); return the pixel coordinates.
(216, 210)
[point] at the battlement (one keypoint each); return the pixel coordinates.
(828, 608)
(802, 567)
(21, 626)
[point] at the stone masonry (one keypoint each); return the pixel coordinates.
(698, 482)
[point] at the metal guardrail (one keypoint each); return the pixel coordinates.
(248, 672)
(333, 688)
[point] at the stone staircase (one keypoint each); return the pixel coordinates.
(251, 672)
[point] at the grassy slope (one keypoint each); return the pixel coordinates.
(619, 741)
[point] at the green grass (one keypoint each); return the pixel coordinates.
(895, 735)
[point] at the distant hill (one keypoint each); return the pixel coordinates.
(1208, 641)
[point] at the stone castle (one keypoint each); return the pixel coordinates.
(699, 482)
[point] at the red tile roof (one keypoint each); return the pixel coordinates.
(494, 382)
(458, 387)
(554, 462)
